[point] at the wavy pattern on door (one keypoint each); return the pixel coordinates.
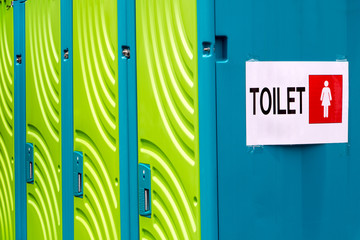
(97, 214)
(43, 118)
(43, 197)
(171, 206)
(7, 180)
(100, 201)
(168, 116)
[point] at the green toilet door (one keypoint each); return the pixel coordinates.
(43, 119)
(7, 172)
(96, 120)
(168, 129)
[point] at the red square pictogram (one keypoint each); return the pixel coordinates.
(325, 98)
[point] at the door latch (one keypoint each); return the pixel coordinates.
(78, 174)
(18, 59)
(66, 54)
(29, 161)
(126, 52)
(144, 181)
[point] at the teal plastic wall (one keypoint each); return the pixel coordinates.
(299, 192)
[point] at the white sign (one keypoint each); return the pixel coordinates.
(296, 102)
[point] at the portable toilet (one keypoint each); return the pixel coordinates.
(302, 191)
(198, 178)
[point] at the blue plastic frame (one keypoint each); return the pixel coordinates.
(19, 120)
(67, 129)
(207, 120)
(128, 121)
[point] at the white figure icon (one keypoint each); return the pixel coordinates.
(326, 98)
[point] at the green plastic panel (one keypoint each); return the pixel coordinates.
(43, 117)
(168, 129)
(7, 180)
(96, 118)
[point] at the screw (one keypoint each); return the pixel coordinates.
(18, 59)
(66, 54)
(206, 49)
(126, 52)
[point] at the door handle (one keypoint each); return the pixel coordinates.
(144, 181)
(29, 161)
(78, 174)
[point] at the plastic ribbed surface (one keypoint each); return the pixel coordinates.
(43, 118)
(168, 116)
(97, 214)
(7, 180)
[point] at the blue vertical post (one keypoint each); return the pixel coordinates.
(123, 121)
(19, 119)
(67, 117)
(207, 120)
(132, 115)
(127, 121)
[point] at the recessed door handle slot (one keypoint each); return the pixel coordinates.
(79, 183)
(30, 170)
(221, 48)
(146, 197)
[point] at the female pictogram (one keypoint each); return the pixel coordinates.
(326, 98)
